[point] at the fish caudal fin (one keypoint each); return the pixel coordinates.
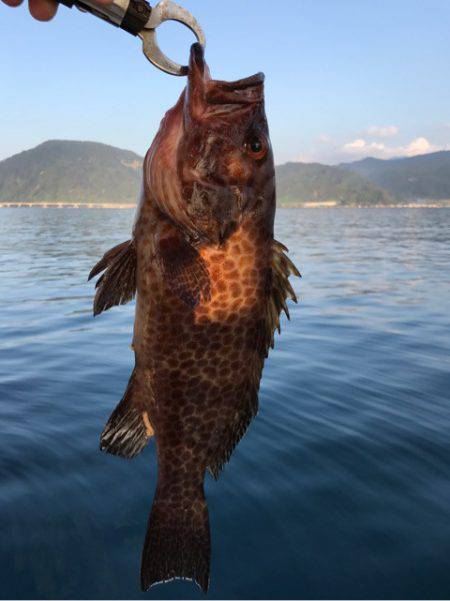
(177, 544)
(128, 429)
(117, 285)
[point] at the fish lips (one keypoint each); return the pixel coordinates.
(206, 96)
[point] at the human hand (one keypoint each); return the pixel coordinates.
(43, 10)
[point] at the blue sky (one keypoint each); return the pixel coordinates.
(345, 78)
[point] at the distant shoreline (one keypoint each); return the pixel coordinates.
(445, 204)
(66, 205)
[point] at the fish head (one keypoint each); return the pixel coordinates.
(213, 164)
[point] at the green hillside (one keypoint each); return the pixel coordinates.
(69, 171)
(313, 182)
(425, 176)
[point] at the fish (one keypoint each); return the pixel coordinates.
(210, 283)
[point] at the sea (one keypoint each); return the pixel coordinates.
(340, 488)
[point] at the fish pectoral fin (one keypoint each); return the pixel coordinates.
(117, 285)
(183, 270)
(128, 429)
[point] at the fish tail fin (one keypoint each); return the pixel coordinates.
(177, 543)
(128, 429)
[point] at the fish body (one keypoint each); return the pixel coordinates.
(210, 283)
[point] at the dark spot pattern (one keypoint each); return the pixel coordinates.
(210, 285)
(204, 364)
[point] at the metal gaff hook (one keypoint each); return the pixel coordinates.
(166, 10)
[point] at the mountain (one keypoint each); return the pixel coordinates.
(425, 176)
(68, 171)
(313, 182)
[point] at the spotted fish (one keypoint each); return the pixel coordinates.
(210, 283)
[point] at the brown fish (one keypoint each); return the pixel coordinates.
(210, 282)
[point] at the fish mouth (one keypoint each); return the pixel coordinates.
(197, 56)
(249, 90)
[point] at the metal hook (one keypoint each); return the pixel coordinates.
(167, 10)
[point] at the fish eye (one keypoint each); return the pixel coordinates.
(256, 147)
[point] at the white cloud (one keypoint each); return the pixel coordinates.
(331, 151)
(419, 146)
(304, 158)
(382, 131)
(356, 145)
(360, 146)
(363, 148)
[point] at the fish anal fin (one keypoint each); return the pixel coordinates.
(183, 270)
(117, 285)
(128, 429)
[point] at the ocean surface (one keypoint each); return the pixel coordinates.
(341, 487)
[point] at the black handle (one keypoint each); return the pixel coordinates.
(137, 15)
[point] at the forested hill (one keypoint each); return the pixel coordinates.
(313, 182)
(89, 172)
(426, 176)
(68, 171)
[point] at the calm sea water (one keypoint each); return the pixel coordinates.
(341, 487)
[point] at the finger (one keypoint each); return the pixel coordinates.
(13, 2)
(43, 10)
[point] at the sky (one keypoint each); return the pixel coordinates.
(345, 79)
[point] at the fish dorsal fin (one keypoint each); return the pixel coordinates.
(117, 285)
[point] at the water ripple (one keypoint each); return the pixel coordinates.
(340, 488)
